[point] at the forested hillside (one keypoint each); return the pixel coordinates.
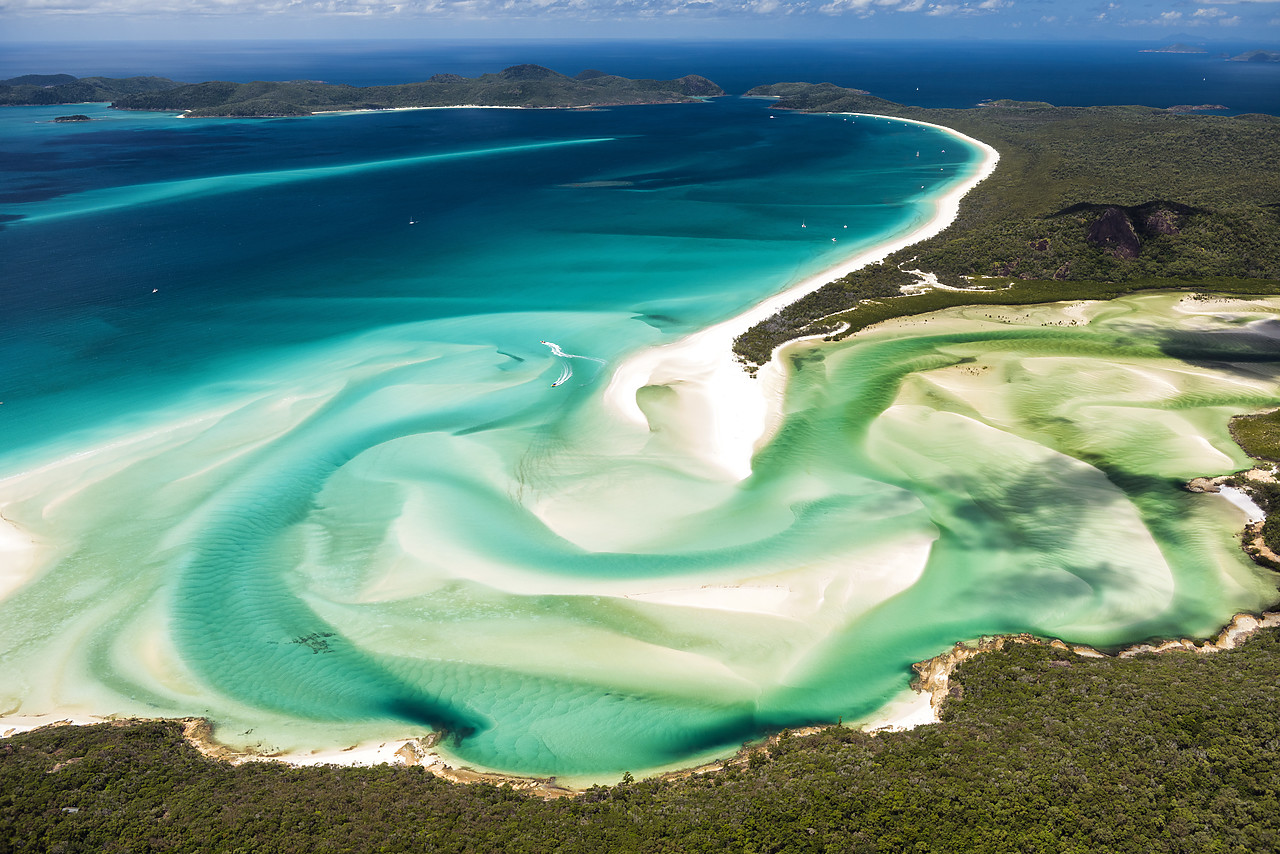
(518, 86)
(1039, 751)
(1087, 202)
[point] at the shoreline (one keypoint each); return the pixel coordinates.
(743, 418)
(919, 706)
(739, 413)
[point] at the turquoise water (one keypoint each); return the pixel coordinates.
(282, 445)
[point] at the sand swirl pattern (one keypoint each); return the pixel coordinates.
(313, 483)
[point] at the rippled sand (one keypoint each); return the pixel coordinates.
(587, 596)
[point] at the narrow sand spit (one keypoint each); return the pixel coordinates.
(738, 414)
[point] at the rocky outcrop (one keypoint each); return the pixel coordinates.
(1235, 632)
(1114, 231)
(1123, 230)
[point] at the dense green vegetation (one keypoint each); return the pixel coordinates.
(1039, 751)
(45, 89)
(876, 298)
(1259, 435)
(519, 86)
(1099, 200)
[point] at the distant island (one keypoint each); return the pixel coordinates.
(1258, 56)
(78, 117)
(517, 86)
(1175, 48)
(38, 90)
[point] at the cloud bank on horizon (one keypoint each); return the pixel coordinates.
(1208, 20)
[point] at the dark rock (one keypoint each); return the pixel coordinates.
(1162, 221)
(1114, 231)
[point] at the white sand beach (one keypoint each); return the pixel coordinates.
(735, 414)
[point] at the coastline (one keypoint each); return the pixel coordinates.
(919, 706)
(740, 414)
(184, 113)
(727, 393)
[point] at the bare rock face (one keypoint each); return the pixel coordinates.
(1162, 221)
(1122, 230)
(1114, 231)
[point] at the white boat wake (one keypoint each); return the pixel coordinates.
(567, 370)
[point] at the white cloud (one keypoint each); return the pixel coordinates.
(1208, 13)
(1170, 17)
(836, 7)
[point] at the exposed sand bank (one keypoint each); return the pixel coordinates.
(736, 414)
(18, 552)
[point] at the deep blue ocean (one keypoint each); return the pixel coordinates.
(288, 435)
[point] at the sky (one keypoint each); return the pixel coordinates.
(1205, 21)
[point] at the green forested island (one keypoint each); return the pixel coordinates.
(517, 86)
(49, 89)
